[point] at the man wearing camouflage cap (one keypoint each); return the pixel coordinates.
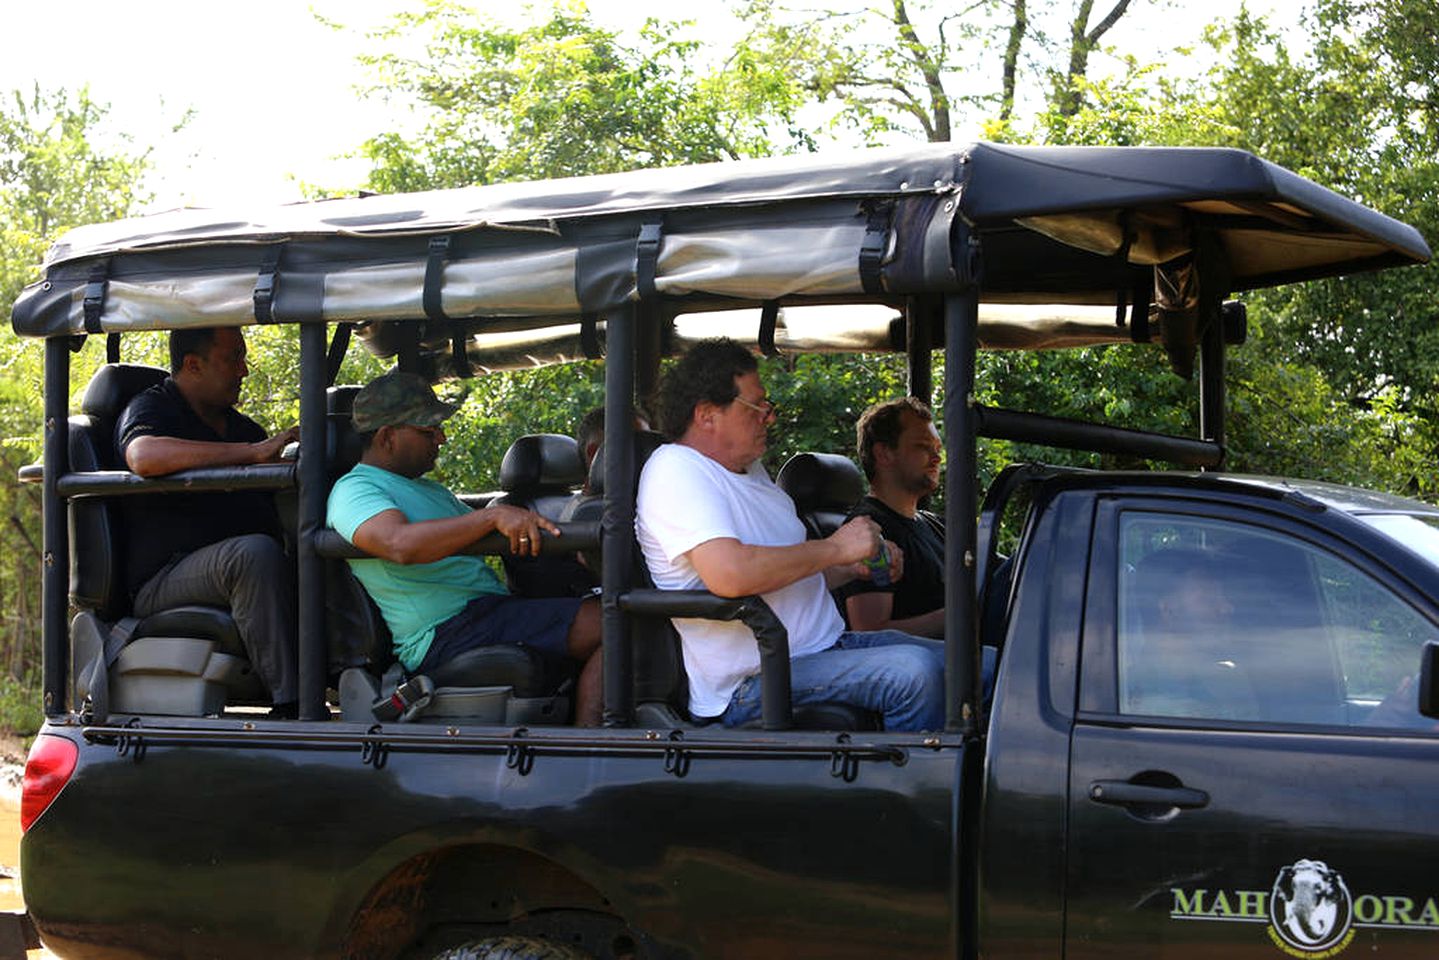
(437, 600)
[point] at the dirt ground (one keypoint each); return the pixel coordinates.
(12, 767)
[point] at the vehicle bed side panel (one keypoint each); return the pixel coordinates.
(231, 852)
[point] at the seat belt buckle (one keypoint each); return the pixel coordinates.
(407, 702)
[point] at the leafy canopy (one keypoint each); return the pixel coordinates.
(562, 96)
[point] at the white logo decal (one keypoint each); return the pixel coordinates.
(1310, 909)
(1308, 913)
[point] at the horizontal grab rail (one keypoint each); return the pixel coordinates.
(573, 537)
(997, 423)
(123, 483)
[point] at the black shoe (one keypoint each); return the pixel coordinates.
(285, 711)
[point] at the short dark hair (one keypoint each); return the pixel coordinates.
(196, 340)
(883, 423)
(591, 429)
(705, 374)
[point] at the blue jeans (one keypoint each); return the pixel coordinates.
(891, 673)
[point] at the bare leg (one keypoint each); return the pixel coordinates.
(589, 692)
(584, 645)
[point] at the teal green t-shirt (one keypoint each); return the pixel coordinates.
(417, 597)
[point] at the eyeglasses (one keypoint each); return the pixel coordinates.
(765, 408)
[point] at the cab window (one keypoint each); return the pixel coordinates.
(1229, 621)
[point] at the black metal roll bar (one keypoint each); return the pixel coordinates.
(997, 423)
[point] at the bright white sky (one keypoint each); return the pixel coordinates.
(273, 89)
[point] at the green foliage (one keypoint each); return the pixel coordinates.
(499, 408)
(560, 97)
(20, 700)
(820, 397)
(53, 175)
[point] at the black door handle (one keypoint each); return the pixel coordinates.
(1125, 793)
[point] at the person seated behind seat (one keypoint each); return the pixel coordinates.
(590, 435)
(438, 601)
(709, 516)
(900, 452)
(220, 549)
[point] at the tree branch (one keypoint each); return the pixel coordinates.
(1110, 20)
(939, 130)
(1011, 59)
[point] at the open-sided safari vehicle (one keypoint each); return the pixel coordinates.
(968, 247)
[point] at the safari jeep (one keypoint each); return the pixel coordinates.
(1106, 801)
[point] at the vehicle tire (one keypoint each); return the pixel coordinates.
(513, 948)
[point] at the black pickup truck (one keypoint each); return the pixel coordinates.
(1211, 728)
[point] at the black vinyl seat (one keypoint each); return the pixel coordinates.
(186, 660)
(502, 683)
(824, 487)
(543, 472)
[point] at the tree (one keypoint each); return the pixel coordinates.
(1357, 111)
(902, 66)
(1353, 359)
(563, 96)
(53, 175)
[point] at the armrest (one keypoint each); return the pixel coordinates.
(573, 537)
(769, 633)
(118, 483)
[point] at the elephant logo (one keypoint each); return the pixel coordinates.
(1310, 908)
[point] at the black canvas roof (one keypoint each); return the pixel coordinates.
(1052, 223)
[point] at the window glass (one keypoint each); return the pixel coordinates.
(1227, 621)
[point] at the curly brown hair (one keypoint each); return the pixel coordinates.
(705, 374)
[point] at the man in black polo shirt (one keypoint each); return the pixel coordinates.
(219, 549)
(900, 450)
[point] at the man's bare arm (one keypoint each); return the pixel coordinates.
(730, 568)
(874, 611)
(154, 456)
(390, 535)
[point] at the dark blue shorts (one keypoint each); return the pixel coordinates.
(542, 624)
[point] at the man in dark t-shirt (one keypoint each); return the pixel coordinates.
(900, 452)
(220, 549)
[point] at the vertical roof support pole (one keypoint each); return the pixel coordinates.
(961, 484)
(313, 659)
(919, 316)
(1211, 382)
(1214, 284)
(649, 349)
(617, 529)
(55, 580)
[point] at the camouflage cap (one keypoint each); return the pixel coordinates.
(397, 398)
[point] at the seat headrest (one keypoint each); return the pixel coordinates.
(114, 385)
(344, 450)
(340, 401)
(646, 443)
(821, 480)
(542, 461)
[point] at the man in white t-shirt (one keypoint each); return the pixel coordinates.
(709, 516)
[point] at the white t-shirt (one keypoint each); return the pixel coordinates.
(685, 499)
